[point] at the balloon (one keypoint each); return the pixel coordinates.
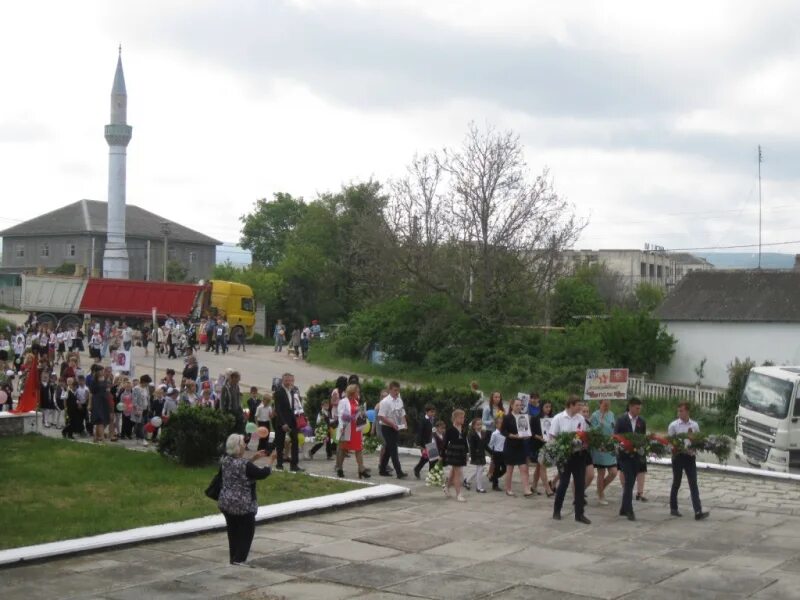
(262, 432)
(246, 412)
(149, 428)
(250, 428)
(371, 415)
(301, 439)
(156, 422)
(307, 430)
(120, 406)
(365, 428)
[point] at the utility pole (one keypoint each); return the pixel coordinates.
(165, 230)
(760, 160)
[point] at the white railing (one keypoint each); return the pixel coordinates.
(702, 396)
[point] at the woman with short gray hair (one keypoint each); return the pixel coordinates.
(237, 497)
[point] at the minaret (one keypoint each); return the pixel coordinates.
(118, 134)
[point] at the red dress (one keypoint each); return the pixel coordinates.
(355, 443)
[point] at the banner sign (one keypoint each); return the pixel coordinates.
(611, 384)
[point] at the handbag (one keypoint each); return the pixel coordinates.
(215, 487)
(300, 421)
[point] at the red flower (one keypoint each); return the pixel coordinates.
(626, 444)
(583, 436)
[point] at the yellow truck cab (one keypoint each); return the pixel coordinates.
(235, 302)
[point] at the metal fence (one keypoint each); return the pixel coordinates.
(702, 396)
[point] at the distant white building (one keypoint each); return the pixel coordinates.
(723, 315)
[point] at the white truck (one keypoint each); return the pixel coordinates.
(768, 422)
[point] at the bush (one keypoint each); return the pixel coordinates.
(728, 402)
(195, 435)
(414, 400)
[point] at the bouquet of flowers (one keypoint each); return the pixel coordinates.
(558, 450)
(371, 444)
(597, 440)
(634, 444)
(718, 445)
(659, 446)
(321, 432)
(435, 476)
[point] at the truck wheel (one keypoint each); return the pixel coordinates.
(70, 321)
(47, 319)
(236, 331)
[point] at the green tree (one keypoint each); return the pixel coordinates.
(636, 340)
(648, 296)
(575, 298)
(176, 272)
(728, 402)
(266, 230)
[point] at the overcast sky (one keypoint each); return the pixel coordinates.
(647, 114)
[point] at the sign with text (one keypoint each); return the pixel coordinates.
(611, 384)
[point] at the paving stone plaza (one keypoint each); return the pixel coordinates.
(425, 546)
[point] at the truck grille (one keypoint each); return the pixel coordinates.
(754, 450)
(756, 426)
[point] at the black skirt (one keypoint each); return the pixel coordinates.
(514, 453)
(456, 455)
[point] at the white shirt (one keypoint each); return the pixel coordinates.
(264, 413)
(497, 442)
(680, 426)
(634, 420)
(392, 409)
(562, 422)
(127, 334)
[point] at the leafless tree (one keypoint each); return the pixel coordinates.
(473, 222)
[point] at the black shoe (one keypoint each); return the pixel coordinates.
(416, 473)
(297, 470)
(557, 516)
(363, 475)
(495, 487)
(583, 519)
(402, 475)
(340, 473)
(384, 473)
(622, 513)
(675, 513)
(701, 515)
(631, 516)
(278, 467)
(641, 498)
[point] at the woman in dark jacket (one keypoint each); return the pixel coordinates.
(514, 449)
(237, 497)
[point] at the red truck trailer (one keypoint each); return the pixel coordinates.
(65, 301)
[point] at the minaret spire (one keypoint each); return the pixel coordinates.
(118, 135)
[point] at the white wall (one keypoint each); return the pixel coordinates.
(721, 343)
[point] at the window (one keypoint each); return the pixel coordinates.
(19, 250)
(247, 304)
(652, 270)
(44, 250)
(192, 257)
(71, 250)
(644, 270)
(660, 271)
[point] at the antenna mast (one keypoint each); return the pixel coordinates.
(760, 160)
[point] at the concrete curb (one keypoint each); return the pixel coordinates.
(293, 508)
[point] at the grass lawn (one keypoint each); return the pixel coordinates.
(55, 489)
(658, 412)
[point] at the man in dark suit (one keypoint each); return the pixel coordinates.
(629, 464)
(285, 422)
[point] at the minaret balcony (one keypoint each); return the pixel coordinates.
(118, 135)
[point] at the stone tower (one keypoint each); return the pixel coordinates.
(118, 134)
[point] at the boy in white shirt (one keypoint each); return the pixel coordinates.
(684, 461)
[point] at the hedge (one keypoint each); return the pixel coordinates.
(414, 400)
(195, 435)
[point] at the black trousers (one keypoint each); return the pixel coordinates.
(241, 529)
(330, 448)
(280, 442)
(390, 441)
(575, 468)
(499, 467)
(680, 463)
(629, 465)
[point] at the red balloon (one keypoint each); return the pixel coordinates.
(149, 428)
